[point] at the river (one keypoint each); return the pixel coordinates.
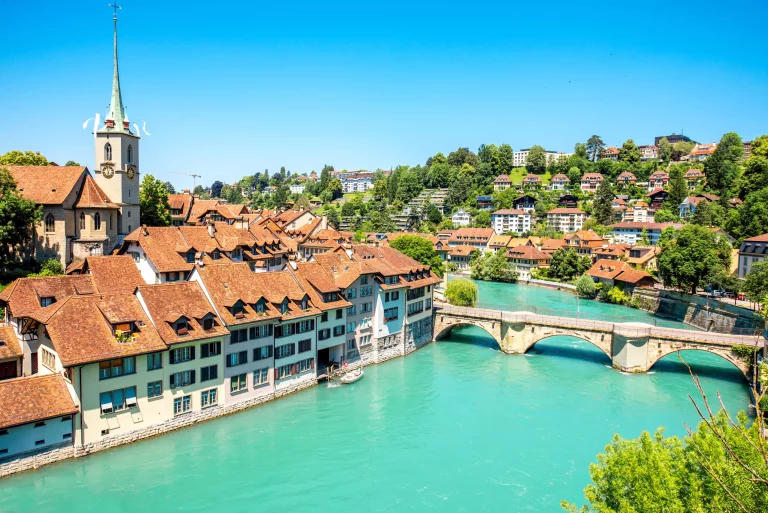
(455, 426)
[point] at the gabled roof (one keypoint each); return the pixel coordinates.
(169, 302)
(342, 269)
(91, 196)
(592, 176)
(229, 283)
(648, 226)
(531, 179)
(315, 281)
(693, 173)
(506, 211)
(181, 202)
(24, 295)
(627, 176)
(659, 175)
(162, 245)
(81, 328)
(116, 274)
(34, 399)
(461, 250)
(47, 185)
(476, 234)
(559, 177)
(200, 208)
(528, 252)
(502, 179)
(9, 344)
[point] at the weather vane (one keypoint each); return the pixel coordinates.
(115, 7)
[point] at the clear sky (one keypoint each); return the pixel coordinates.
(231, 88)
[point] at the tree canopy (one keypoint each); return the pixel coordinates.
(153, 201)
(461, 292)
(566, 264)
(694, 255)
(420, 249)
(493, 266)
(17, 214)
(23, 158)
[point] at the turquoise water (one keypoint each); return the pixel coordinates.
(456, 426)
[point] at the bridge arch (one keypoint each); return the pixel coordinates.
(601, 341)
(724, 353)
(442, 329)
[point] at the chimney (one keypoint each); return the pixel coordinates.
(211, 229)
(144, 230)
(187, 191)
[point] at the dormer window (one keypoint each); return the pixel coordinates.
(216, 254)
(304, 304)
(236, 254)
(208, 323)
(190, 256)
(47, 301)
(284, 306)
(238, 311)
(261, 306)
(181, 327)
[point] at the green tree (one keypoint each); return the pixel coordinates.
(574, 175)
(601, 207)
(665, 215)
(756, 284)
(537, 160)
(751, 217)
(50, 268)
(23, 158)
(644, 239)
(72, 163)
(585, 286)
(409, 186)
(462, 156)
(461, 292)
(493, 266)
(580, 150)
(333, 217)
(722, 167)
(504, 159)
(433, 214)
(325, 176)
(170, 188)
(665, 150)
(629, 152)
(595, 147)
(420, 249)
(153, 201)
(566, 264)
(678, 189)
(483, 219)
(17, 214)
(692, 257)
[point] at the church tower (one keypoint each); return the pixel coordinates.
(117, 156)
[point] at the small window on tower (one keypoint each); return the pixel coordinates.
(82, 221)
(108, 152)
(97, 221)
(130, 153)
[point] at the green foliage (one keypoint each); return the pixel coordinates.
(665, 150)
(483, 219)
(17, 214)
(746, 353)
(585, 286)
(420, 249)
(756, 284)
(51, 268)
(614, 295)
(629, 152)
(566, 264)
(692, 257)
(333, 217)
(153, 200)
(722, 167)
(644, 239)
(71, 163)
(667, 475)
(678, 189)
(433, 214)
(602, 210)
(537, 160)
(461, 292)
(751, 218)
(595, 146)
(666, 215)
(23, 158)
(493, 266)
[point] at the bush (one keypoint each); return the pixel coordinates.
(585, 286)
(49, 268)
(614, 295)
(461, 293)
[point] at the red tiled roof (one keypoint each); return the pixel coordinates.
(91, 196)
(46, 185)
(507, 211)
(564, 210)
(34, 399)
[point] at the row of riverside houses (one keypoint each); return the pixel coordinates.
(101, 358)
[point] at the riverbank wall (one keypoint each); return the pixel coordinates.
(382, 350)
(715, 316)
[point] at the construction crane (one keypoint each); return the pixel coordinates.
(194, 177)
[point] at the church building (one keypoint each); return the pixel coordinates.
(85, 215)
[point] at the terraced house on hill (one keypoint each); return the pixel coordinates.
(125, 360)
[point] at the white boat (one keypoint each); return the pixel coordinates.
(352, 376)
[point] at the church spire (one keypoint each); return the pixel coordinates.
(116, 119)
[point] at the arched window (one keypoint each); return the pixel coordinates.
(130, 153)
(107, 152)
(97, 221)
(82, 221)
(50, 224)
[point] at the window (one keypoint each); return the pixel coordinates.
(284, 306)
(174, 276)
(428, 304)
(210, 349)
(352, 310)
(181, 327)
(260, 377)
(235, 359)
(136, 256)
(285, 371)
(107, 152)
(182, 379)
(365, 307)
(154, 361)
(324, 334)
(285, 351)
(351, 344)
(390, 314)
(182, 354)
(208, 323)
(338, 331)
(154, 389)
(238, 311)
(208, 398)
(351, 293)
(238, 336)
(190, 256)
(324, 317)
(339, 313)
(364, 279)
(305, 345)
(50, 224)
(261, 306)
(366, 291)
(260, 353)
(82, 221)
(130, 153)
(215, 254)
(351, 326)
(117, 400)
(238, 383)
(209, 373)
(97, 221)
(304, 304)
(39, 424)
(286, 330)
(261, 332)
(182, 405)
(49, 360)
(396, 295)
(118, 367)
(305, 365)
(386, 296)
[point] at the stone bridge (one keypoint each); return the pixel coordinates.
(631, 346)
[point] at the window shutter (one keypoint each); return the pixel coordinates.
(218, 347)
(277, 374)
(278, 331)
(214, 372)
(269, 351)
(311, 324)
(253, 333)
(295, 368)
(173, 378)
(192, 353)
(270, 329)
(172, 356)
(192, 377)
(204, 351)
(243, 356)
(311, 363)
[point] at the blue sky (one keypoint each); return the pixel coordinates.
(230, 88)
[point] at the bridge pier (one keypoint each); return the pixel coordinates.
(630, 352)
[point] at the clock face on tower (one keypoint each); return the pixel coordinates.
(108, 171)
(131, 172)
